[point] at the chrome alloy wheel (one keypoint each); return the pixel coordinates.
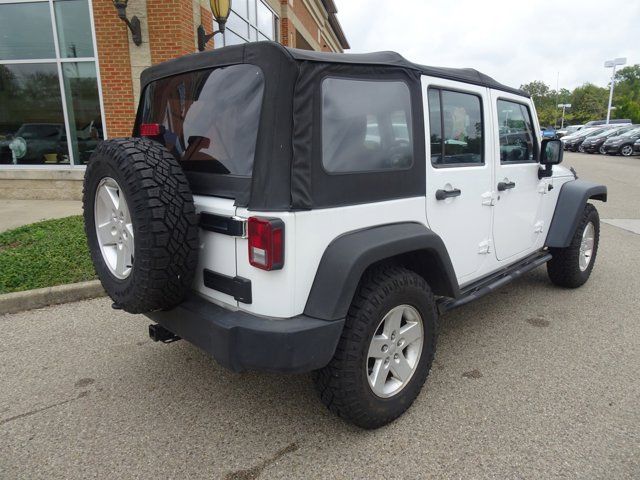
(114, 228)
(586, 246)
(394, 351)
(602, 150)
(627, 150)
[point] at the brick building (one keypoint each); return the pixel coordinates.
(70, 69)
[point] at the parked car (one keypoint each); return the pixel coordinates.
(622, 144)
(548, 132)
(612, 121)
(573, 143)
(636, 146)
(568, 130)
(33, 143)
(595, 143)
(279, 233)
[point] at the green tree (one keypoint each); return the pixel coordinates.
(627, 94)
(588, 102)
(545, 101)
(538, 90)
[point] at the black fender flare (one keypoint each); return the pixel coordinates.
(349, 255)
(572, 199)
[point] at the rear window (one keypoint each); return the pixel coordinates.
(210, 117)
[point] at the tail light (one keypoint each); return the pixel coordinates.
(266, 243)
(150, 129)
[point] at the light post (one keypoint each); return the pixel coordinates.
(563, 106)
(220, 10)
(609, 64)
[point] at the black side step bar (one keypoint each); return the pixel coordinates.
(494, 281)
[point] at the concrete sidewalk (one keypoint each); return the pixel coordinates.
(15, 213)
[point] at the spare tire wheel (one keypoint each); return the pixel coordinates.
(141, 224)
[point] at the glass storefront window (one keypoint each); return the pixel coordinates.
(74, 28)
(31, 118)
(25, 31)
(250, 21)
(237, 25)
(50, 106)
(266, 21)
(83, 109)
(231, 38)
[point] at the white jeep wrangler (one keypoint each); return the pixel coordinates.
(297, 211)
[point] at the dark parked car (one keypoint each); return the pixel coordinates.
(573, 143)
(594, 144)
(636, 146)
(34, 142)
(622, 144)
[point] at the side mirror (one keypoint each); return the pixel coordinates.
(551, 154)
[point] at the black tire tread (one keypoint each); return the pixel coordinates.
(563, 269)
(164, 219)
(336, 383)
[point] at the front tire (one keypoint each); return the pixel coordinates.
(571, 267)
(386, 349)
(626, 150)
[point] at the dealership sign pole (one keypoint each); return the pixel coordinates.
(608, 64)
(563, 106)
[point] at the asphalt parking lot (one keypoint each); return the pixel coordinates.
(529, 382)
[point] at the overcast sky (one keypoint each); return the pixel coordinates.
(515, 42)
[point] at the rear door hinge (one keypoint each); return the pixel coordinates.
(489, 198)
(484, 247)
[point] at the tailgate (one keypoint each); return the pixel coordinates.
(217, 250)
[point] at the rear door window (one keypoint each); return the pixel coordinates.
(210, 118)
(456, 128)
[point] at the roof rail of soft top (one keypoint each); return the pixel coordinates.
(246, 52)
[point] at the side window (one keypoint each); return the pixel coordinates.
(435, 126)
(456, 128)
(517, 141)
(366, 125)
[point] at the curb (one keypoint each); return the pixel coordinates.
(43, 297)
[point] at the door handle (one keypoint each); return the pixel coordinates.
(442, 194)
(502, 186)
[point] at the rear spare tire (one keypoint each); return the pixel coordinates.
(141, 224)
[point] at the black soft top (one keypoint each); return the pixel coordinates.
(287, 170)
(266, 50)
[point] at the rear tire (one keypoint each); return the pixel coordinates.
(347, 385)
(146, 251)
(571, 267)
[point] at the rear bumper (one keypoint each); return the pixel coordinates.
(241, 341)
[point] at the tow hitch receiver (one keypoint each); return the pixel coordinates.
(160, 334)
